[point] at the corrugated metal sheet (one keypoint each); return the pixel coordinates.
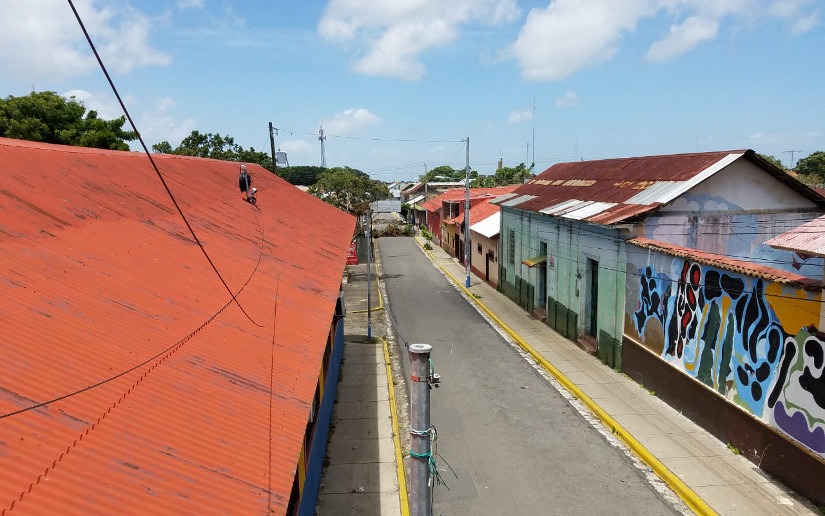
(809, 238)
(535, 261)
(515, 201)
(727, 263)
(562, 207)
(624, 186)
(167, 398)
(489, 227)
(591, 209)
(502, 198)
(458, 196)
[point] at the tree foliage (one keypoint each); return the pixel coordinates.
(301, 175)
(773, 160)
(50, 118)
(504, 176)
(348, 189)
(812, 166)
(215, 146)
(445, 173)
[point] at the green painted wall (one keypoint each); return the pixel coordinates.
(570, 244)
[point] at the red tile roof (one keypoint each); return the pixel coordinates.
(167, 398)
(611, 191)
(731, 264)
(809, 238)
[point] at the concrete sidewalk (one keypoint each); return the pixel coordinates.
(360, 474)
(698, 467)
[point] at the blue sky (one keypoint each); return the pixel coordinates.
(610, 78)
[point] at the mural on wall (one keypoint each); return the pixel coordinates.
(726, 330)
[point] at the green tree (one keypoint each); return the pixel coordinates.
(215, 146)
(812, 166)
(445, 173)
(301, 175)
(504, 176)
(348, 189)
(773, 160)
(50, 118)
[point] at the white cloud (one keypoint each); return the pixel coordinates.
(567, 36)
(40, 40)
(568, 100)
(801, 14)
(350, 121)
(301, 152)
(189, 4)
(105, 104)
(516, 117)
(682, 39)
(158, 124)
(396, 33)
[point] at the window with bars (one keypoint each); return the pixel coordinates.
(512, 247)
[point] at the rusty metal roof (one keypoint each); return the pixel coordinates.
(809, 238)
(612, 191)
(165, 398)
(731, 264)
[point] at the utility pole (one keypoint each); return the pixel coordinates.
(425, 196)
(369, 275)
(272, 144)
(792, 152)
(533, 164)
(421, 481)
(467, 214)
(322, 139)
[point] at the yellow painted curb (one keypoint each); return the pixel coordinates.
(681, 489)
(396, 436)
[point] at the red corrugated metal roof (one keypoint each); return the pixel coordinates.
(634, 185)
(809, 238)
(174, 401)
(724, 262)
(458, 194)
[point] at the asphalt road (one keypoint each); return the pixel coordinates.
(517, 445)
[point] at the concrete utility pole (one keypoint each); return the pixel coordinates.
(421, 481)
(322, 138)
(272, 144)
(533, 164)
(467, 214)
(369, 276)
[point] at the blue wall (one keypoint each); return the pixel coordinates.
(318, 448)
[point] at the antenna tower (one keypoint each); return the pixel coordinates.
(322, 139)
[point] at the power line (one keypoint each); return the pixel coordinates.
(369, 138)
(155, 167)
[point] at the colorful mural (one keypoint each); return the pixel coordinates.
(733, 333)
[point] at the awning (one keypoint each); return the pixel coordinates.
(535, 261)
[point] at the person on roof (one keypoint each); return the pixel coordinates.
(245, 184)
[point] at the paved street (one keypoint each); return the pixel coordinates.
(516, 444)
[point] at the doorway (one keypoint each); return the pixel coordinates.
(542, 280)
(592, 297)
(487, 259)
